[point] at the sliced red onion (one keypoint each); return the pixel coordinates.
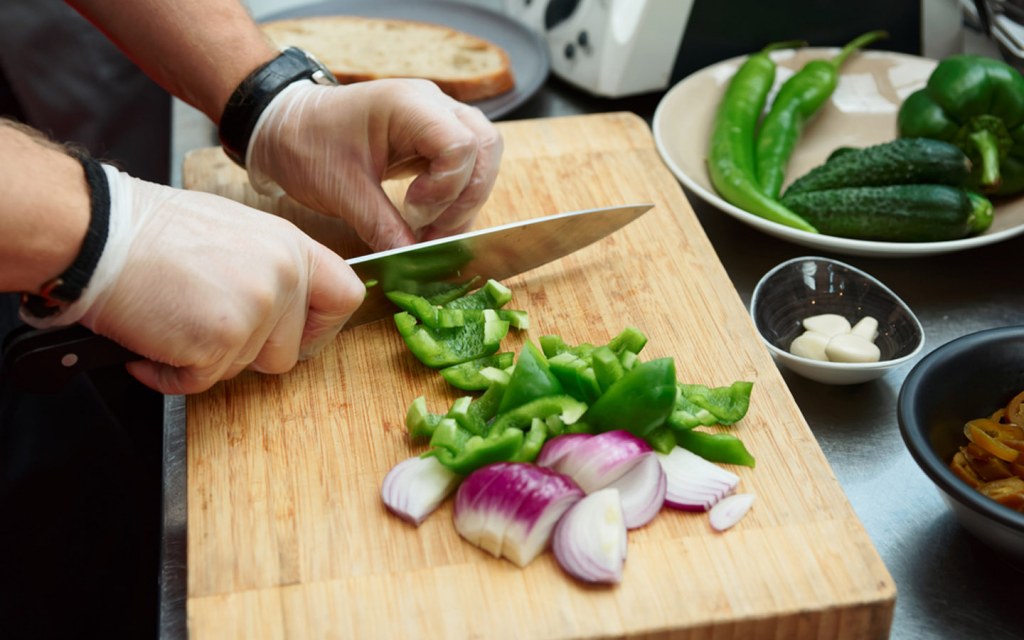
(555, 449)
(414, 488)
(729, 510)
(590, 539)
(613, 458)
(510, 508)
(694, 484)
(642, 491)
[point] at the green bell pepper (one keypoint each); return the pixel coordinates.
(468, 375)
(639, 402)
(531, 379)
(977, 103)
(716, 447)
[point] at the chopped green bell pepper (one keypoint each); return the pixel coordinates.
(531, 379)
(639, 402)
(443, 347)
(467, 375)
(716, 447)
(700, 405)
(977, 103)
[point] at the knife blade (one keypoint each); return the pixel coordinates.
(44, 359)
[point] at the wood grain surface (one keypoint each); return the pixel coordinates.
(287, 535)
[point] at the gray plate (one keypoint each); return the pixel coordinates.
(526, 50)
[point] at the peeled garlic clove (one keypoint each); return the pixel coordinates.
(830, 324)
(866, 327)
(810, 344)
(852, 348)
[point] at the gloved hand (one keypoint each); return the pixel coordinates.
(205, 287)
(330, 148)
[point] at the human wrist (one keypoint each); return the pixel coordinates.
(57, 293)
(258, 90)
(45, 211)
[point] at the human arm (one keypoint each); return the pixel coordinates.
(201, 286)
(329, 148)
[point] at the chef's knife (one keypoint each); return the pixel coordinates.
(43, 359)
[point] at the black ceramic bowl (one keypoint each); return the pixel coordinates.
(966, 378)
(811, 285)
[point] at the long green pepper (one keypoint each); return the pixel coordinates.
(798, 100)
(731, 155)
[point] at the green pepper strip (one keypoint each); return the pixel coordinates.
(727, 404)
(731, 163)
(716, 447)
(799, 98)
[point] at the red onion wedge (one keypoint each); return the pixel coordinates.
(414, 488)
(729, 510)
(694, 484)
(510, 509)
(611, 459)
(590, 540)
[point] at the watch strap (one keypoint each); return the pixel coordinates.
(259, 88)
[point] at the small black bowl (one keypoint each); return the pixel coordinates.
(969, 377)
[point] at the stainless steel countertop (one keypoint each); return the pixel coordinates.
(948, 584)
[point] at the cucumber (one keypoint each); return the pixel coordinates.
(900, 213)
(900, 161)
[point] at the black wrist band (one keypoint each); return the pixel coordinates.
(252, 96)
(65, 289)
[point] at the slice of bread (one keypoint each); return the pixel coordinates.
(354, 48)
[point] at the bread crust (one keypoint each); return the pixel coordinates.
(355, 49)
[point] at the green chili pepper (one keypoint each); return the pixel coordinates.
(731, 163)
(799, 98)
(716, 447)
(977, 103)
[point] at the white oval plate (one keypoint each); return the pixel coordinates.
(861, 112)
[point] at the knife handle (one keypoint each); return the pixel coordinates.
(46, 359)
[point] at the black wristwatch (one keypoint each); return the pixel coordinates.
(260, 87)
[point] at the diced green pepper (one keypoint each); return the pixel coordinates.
(727, 404)
(716, 447)
(607, 368)
(420, 422)
(467, 376)
(493, 295)
(629, 339)
(531, 379)
(532, 442)
(576, 376)
(464, 453)
(640, 401)
(565, 407)
(445, 347)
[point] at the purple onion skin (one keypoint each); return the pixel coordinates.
(521, 491)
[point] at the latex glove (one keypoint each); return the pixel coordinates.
(330, 148)
(205, 287)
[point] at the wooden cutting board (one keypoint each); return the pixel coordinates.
(287, 535)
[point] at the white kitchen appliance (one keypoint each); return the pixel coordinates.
(610, 48)
(617, 48)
